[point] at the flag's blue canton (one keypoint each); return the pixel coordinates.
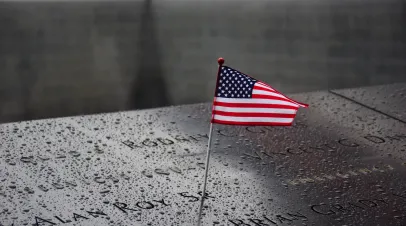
(234, 84)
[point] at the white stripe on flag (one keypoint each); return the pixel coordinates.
(260, 84)
(254, 101)
(252, 119)
(256, 110)
(263, 85)
(263, 92)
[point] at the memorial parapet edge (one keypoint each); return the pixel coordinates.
(389, 99)
(338, 165)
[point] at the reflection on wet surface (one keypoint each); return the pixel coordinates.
(340, 164)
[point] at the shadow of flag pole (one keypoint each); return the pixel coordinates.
(220, 62)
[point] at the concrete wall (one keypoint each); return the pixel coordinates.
(68, 58)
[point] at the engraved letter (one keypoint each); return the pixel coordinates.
(181, 139)
(381, 200)
(165, 141)
(199, 136)
(294, 182)
(146, 205)
(306, 180)
(258, 222)
(76, 216)
(206, 195)
(239, 223)
(297, 214)
(313, 207)
(365, 171)
(343, 175)
(340, 208)
(282, 218)
(273, 222)
(345, 142)
(375, 139)
(39, 221)
(130, 144)
(60, 219)
(162, 201)
(96, 214)
(289, 150)
(220, 132)
(250, 129)
(370, 203)
(122, 207)
(149, 143)
(193, 198)
(329, 177)
(354, 205)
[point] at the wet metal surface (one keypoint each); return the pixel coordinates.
(340, 164)
(390, 99)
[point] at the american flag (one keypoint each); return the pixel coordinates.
(242, 100)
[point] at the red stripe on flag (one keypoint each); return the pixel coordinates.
(264, 84)
(254, 105)
(253, 114)
(251, 123)
(262, 96)
(276, 91)
(265, 89)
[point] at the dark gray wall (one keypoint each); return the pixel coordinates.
(68, 58)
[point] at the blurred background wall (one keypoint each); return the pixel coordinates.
(62, 58)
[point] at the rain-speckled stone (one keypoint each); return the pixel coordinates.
(340, 164)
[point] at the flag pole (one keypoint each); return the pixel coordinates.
(220, 62)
